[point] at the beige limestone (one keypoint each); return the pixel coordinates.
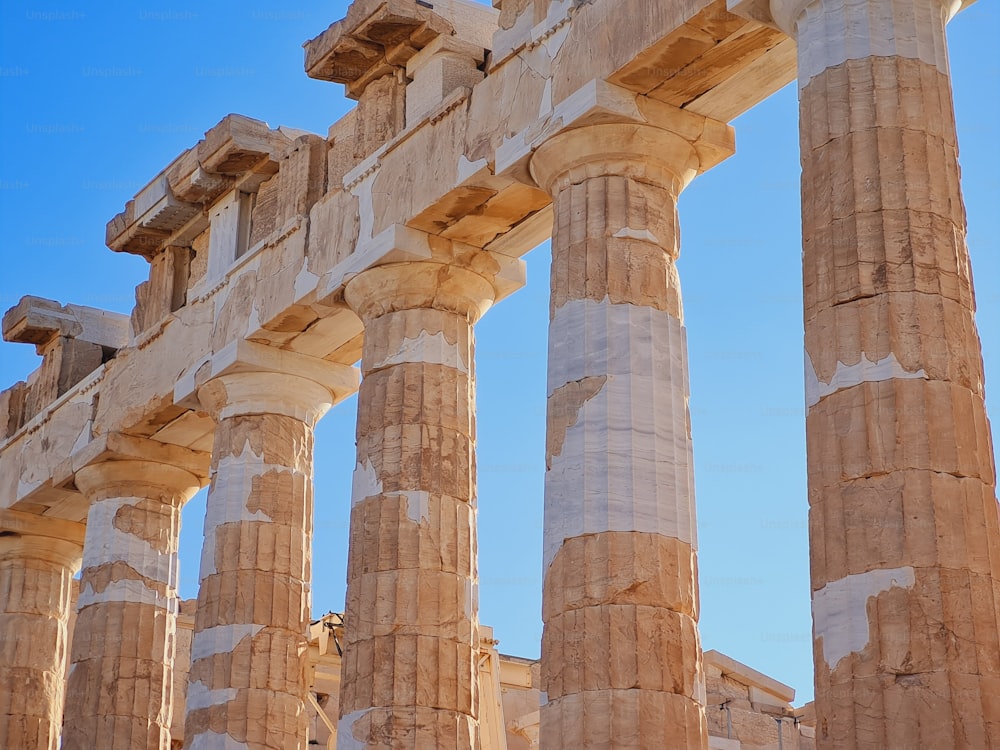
(621, 658)
(904, 531)
(120, 683)
(411, 626)
(38, 558)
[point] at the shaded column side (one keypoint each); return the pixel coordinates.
(36, 575)
(119, 693)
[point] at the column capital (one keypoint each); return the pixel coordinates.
(468, 291)
(244, 393)
(399, 245)
(785, 15)
(137, 478)
(248, 378)
(30, 547)
(28, 535)
(19, 522)
(667, 157)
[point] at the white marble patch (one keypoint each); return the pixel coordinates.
(554, 41)
(127, 590)
(345, 731)
(366, 206)
(107, 544)
(848, 376)
(467, 168)
(417, 505)
(471, 598)
(840, 610)
(227, 500)
(545, 105)
(222, 237)
(430, 348)
(306, 281)
(626, 464)
(253, 319)
(215, 741)
(830, 32)
(629, 233)
(365, 483)
(221, 639)
(83, 439)
(199, 696)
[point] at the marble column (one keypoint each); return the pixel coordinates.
(904, 537)
(247, 684)
(119, 694)
(621, 657)
(410, 674)
(38, 559)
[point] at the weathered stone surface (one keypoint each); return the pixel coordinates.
(247, 682)
(123, 641)
(171, 207)
(38, 321)
(903, 515)
(273, 251)
(411, 662)
(38, 559)
(621, 658)
(166, 290)
(73, 342)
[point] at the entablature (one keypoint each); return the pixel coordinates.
(239, 152)
(253, 232)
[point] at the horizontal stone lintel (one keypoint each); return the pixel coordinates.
(118, 446)
(378, 35)
(33, 524)
(36, 320)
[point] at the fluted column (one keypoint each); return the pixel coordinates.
(119, 694)
(247, 684)
(904, 538)
(621, 658)
(38, 559)
(410, 674)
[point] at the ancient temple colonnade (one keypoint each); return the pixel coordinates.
(279, 260)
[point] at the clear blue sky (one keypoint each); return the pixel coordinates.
(96, 98)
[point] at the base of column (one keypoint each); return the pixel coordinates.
(624, 720)
(416, 727)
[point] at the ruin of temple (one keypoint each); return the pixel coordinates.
(280, 259)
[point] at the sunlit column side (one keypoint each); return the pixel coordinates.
(621, 657)
(38, 559)
(247, 684)
(119, 694)
(410, 674)
(904, 538)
